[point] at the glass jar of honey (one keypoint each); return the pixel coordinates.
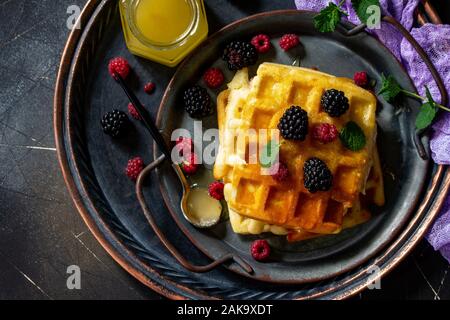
(164, 31)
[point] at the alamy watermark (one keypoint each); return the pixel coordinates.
(374, 19)
(238, 146)
(374, 280)
(74, 279)
(73, 21)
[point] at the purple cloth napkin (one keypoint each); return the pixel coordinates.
(435, 40)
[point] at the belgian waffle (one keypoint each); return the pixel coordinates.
(259, 104)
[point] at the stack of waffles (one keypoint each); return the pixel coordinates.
(258, 203)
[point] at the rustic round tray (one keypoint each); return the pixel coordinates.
(92, 167)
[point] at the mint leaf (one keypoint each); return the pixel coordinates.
(426, 115)
(390, 88)
(361, 7)
(427, 112)
(352, 137)
(328, 18)
(269, 154)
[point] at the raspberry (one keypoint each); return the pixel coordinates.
(133, 112)
(260, 250)
(213, 78)
(184, 145)
(282, 173)
(261, 42)
(119, 65)
(216, 190)
(325, 132)
(289, 41)
(189, 164)
(149, 88)
(134, 168)
(361, 79)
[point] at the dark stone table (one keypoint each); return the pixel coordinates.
(41, 234)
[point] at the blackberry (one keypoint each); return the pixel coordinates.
(334, 102)
(293, 124)
(115, 123)
(197, 102)
(317, 176)
(240, 54)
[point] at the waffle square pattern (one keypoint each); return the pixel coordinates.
(257, 202)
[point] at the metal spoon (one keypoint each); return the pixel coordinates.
(187, 188)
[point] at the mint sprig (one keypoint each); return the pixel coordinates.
(352, 136)
(390, 89)
(329, 17)
(362, 8)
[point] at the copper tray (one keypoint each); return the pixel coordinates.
(151, 264)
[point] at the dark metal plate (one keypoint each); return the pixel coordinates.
(335, 54)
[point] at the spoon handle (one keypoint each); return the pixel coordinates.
(146, 119)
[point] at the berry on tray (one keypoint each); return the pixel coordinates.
(149, 88)
(289, 41)
(115, 123)
(361, 79)
(325, 132)
(213, 78)
(260, 250)
(119, 65)
(134, 168)
(133, 112)
(317, 176)
(189, 164)
(334, 102)
(240, 54)
(197, 102)
(261, 42)
(282, 174)
(293, 124)
(215, 190)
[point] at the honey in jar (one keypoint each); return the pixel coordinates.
(164, 31)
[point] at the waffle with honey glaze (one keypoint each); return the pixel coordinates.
(257, 202)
